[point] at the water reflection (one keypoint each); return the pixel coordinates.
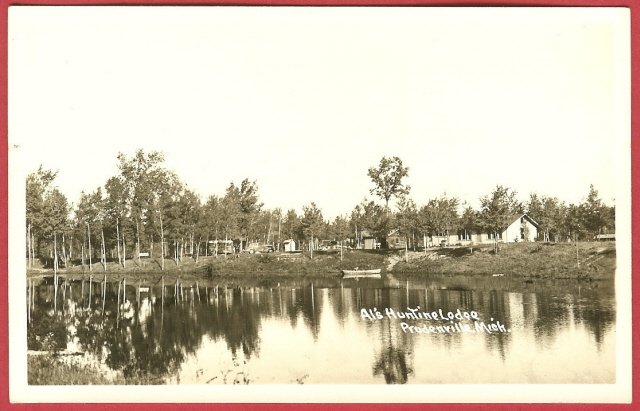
(159, 333)
(391, 361)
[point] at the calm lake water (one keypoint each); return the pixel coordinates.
(315, 332)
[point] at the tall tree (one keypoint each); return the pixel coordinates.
(139, 174)
(38, 186)
(387, 179)
(55, 212)
(468, 221)
(406, 222)
(439, 216)
(377, 221)
(168, 190)
(90, 214)
(212, 215)
(312, 223)
(116, 212)
(593, 212)
(496, 210)
(191, 218)
(609, 219)
(249, 208)
(277, 230)
(230, 212)
(549, 213)
(356, 221)
(291, 226)
(341, 230)
(573, 226)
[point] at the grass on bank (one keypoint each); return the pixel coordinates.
(537, 260)
(323, 263)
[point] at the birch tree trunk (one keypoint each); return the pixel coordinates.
(118, 242)
(161, 244)
(424, 242)
(55, 255)
(89, 237)
(575, 237)
(104, 250)
(64, 252)
(29, 246)
(138, 241)
(268, 231)
(175, 251)
(406, 249)
(33, 248)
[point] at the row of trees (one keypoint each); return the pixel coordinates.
(446, 215)
(146, 209)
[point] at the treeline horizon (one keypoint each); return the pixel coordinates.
(146, 208)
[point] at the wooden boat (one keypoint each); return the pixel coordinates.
(375, 273)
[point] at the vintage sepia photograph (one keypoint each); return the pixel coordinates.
(319, 203)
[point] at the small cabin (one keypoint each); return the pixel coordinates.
(289, 246)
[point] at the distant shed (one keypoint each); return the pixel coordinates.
(289, 246)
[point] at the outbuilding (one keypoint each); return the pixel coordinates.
(289, 246)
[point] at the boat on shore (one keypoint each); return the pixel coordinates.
(374, 273)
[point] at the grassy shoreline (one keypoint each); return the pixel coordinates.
(528, 260)
(56, 369)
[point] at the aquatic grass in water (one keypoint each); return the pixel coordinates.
(51, 370)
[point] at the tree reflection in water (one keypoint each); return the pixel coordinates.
(234, 318)
(391, 362)
(148, 339)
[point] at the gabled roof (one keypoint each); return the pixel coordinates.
(514, 217)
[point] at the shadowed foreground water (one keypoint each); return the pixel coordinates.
(315, 332)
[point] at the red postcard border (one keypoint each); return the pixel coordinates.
(635, 175)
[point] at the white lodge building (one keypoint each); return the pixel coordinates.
(521, 228)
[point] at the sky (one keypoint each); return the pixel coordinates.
(305, 100)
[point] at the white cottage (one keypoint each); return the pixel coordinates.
(521, 228)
